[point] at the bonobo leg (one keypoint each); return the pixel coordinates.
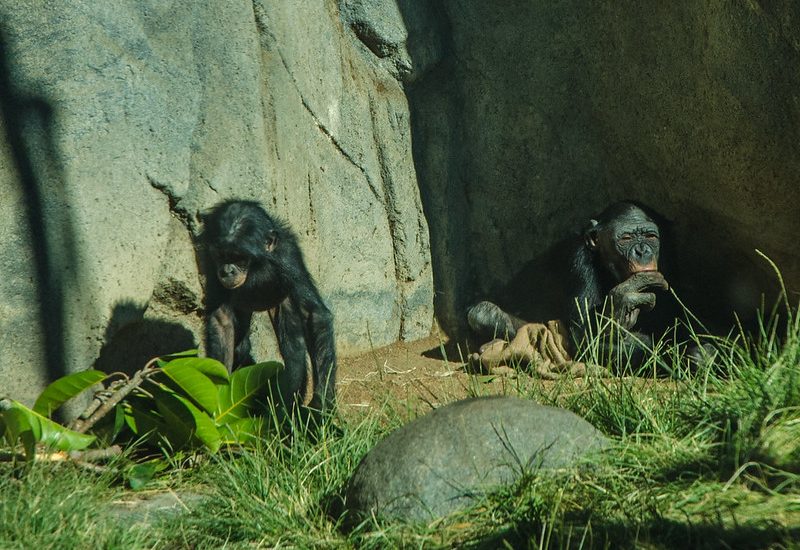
(221, 335)
(288, 325)
(700, 355)
(487, 322)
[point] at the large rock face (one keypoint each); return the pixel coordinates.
(124, 120)
(542, 113)
(447, 459)
(121, 121)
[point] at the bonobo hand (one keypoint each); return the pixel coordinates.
(628, 297)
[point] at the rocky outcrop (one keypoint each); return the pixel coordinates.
(543, 113)
(364, 122)
(123, 122)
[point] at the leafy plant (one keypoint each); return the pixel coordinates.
(176, 402)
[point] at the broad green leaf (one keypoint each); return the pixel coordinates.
(144, 422)
(194, 382)
(205, 429)
(15, 422)
(185, 421)
(164, 359)
(119, 422)
(29, 444)
(110, 426)
(243, 431)
(212, 368)
(20, 420)
(247, 388)
(65, 388)
(178, 425)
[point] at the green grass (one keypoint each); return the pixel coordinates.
(59, 506)
(708, 459)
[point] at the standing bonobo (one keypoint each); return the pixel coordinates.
(259, 266)
(614, 272)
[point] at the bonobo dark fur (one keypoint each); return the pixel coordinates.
(255, 264)
(614, 273)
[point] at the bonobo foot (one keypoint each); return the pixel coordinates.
(486, 320)
(700, 356)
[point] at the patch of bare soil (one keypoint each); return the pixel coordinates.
(412, 377)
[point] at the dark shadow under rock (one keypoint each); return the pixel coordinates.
(132, 340)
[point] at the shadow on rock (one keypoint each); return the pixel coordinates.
(132, 340)
(28, 123)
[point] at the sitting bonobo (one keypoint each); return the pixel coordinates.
(614, 275)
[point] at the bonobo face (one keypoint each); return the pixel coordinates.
(636, 243)
(627, 244)
(639, 244)
(231, 269)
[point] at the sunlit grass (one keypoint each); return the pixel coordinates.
(704, 456)
(61, 507)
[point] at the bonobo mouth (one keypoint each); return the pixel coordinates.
(232, 284)
(642, 268)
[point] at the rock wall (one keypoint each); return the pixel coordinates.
(541, 113)
(503, 126)
(124, 120)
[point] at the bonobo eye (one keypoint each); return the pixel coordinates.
(651, 236)
(625, 238)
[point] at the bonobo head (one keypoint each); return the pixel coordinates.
(625, 240)
(239, 236)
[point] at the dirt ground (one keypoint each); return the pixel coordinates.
(415, 376)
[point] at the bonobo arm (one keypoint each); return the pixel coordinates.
(628, 298)
(322, 350)
(319, 336)
(623, 304)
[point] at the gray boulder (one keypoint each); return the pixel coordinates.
(443, 461)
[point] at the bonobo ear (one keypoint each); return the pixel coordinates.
(590, 235)
(272, 241)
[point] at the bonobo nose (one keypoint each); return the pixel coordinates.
(641, 251)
